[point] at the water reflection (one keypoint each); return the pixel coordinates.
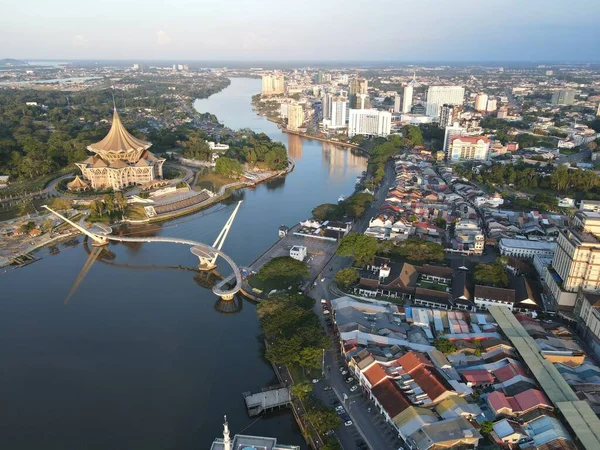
(294, 146)
(275, 183)
(341, 160)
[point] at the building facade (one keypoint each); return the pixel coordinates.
(462, 148)
(438, 95)
(449, 115)
(369, 122)
(120, 160)
(295, 116)
(522, 248)
(481, 102)
(336, 114)
(273, 84)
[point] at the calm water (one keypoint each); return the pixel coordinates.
(139, 355)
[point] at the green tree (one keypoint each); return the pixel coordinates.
(228, 167)
(444, 345)
(416, 249)
(61, 204)
(47, 225)
(487, 427)
(346, 277)
(283, 267)
(360, 247)
(195, 147)
(121, 201)
(327, 211)
(109, 203)
(97, 208)
(323, 419)
(490, 274)
(302, 390)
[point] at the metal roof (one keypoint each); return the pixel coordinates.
(578, 414)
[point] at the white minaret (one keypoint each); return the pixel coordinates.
(226, 438)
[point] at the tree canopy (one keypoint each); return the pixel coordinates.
(490, 275)
(283, 267)
(444, 345)
(346, 277)
(359, 246)
(228, 167)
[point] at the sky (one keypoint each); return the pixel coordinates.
(313, 30)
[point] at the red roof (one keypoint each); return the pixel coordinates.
(375, 374)
(390, 397)
(531, 398)
(479, 376)
(498, 401)
(412, 360)
(507, 372)
(471, 139)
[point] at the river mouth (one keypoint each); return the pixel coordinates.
(132, 351)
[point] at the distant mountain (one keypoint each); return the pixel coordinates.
(12, 62)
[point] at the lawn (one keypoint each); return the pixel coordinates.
(212, 181)
(432, 286)
(23, 209)
(299, 374)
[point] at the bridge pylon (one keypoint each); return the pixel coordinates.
(208, 260)
(97, 239)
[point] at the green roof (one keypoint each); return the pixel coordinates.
(583, 421)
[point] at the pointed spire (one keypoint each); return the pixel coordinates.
(226, 438)
(118, 139)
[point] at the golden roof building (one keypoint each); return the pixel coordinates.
(120, 160)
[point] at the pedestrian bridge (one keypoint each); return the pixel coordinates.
(207, 254)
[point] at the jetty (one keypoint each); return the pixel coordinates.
(269, 399)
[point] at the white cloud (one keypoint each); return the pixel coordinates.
(162, 38)
(80, 41)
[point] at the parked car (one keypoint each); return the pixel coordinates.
(353, 388)
(342, 369)
(344, 372)
(329, 433)
(349, 380)
(348, 423)
(327, 388)
(323, 301)
(315, 381)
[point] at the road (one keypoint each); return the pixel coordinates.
(368, 426)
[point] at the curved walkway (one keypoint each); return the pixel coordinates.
(218, 288)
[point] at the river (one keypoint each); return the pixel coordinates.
(129, 355)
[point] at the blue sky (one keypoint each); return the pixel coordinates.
(424, 30)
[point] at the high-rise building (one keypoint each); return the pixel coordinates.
(481, 102)
(273, 84)
(295, 116)
(337, 114)
(326, 105)
(451, 131)
(465, 148)
(363, 101)
(492, 105)
(320, 77)
(563, 97)
(243, 442)
(369, 122)
(397, 104)
(449, 115)
(576, 262)
(438, 95)
(407, 95)
(502, 112)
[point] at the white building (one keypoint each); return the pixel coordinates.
(407, 97)
(438, 95)
(397, 104)
(295, 116)
(522, 248)
(451, 131)
(298, 252)
(336, 114)
(481, 102)
(273, 84)
(494, 201)
(369, 122)
(492, 105)
(464, 148)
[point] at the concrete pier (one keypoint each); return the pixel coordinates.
(267, 400)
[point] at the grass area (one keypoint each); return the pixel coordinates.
(433, 286)
(135, 212)
(23, 209)
(212, 181)
(569, 151)
(171, 173)
(20, 187)
(267, 286)
(300, 374)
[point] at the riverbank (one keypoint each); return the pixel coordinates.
(317, 138)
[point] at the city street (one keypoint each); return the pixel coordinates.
(368, 426)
